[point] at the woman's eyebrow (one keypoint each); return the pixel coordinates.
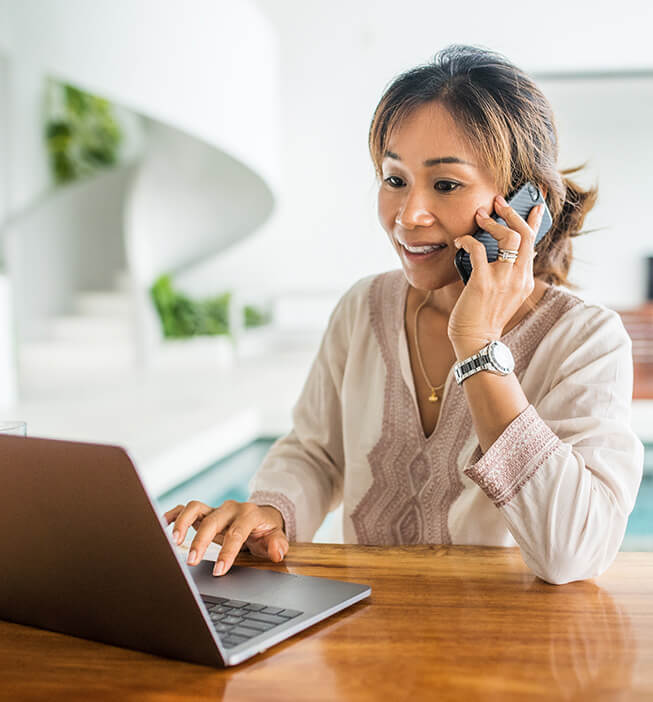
(432, 161)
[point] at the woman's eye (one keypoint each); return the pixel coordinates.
(446, 186)
(393, 184)
(442, 186)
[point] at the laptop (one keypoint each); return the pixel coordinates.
(85, 552)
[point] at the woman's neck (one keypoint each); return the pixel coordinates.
(442, 301)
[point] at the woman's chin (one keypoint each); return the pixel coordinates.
(425, 280)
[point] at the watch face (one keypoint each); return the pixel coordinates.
(502, 357)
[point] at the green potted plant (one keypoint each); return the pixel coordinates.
(193, 330)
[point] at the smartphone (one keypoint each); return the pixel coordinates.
(522, 201)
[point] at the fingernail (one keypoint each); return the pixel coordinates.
(456, 243)
(481, 212)
(280, 555)
(501, 200)
(191, 557)
(175, 536)
(219, 567)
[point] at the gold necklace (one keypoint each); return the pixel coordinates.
(433, 396)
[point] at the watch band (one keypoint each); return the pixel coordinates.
(479, 361)
(469, 366)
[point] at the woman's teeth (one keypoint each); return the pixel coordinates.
(422, 249)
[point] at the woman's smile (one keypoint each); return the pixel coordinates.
(414, 257)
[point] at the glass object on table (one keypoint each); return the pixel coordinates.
(13, 427)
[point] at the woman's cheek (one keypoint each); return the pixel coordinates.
(384, 211)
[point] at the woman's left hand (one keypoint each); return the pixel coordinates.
(495, 291)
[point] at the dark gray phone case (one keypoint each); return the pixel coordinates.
(522, 202)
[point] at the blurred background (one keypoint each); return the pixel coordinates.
(186, 192)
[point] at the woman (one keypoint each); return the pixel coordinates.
(541, 456)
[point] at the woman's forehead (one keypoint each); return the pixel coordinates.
(429, 132)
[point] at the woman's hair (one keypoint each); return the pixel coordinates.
(511, 126)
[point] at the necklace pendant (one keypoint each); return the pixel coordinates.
(433, 397)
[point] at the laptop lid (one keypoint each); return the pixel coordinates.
(84, 552)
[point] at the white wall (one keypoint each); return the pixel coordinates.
(4, 25)
(4, 140)
(4, 113)
(338, 56)
(29, 176)
(607, 123)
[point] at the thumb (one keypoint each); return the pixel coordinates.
(277, 547)
(273, 546)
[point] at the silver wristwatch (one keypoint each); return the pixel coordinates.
(495, 357)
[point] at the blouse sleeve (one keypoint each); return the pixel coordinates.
(302, 473)
(565, 472)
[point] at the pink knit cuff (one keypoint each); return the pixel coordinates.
(514, 458)
(283, 504)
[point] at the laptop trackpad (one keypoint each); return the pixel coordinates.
(271, 588)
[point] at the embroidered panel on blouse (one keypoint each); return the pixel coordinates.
(415, 479)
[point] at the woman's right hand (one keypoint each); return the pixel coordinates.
(232, 524)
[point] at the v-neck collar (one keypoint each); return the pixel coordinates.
(404, 359)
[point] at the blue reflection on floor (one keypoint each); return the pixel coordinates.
(228, 478)
(639, 534)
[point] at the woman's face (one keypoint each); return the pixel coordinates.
(432, 185)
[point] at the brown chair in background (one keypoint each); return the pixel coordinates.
(639, 325)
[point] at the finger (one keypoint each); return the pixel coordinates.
(172, 514)
(273, 546)
(477, 253)
(235, 538)
(511, 217)
(192, 511)
(524, 262)
(506, 237)
(214, 523)
(278, 548)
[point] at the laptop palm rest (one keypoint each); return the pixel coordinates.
(307, 593)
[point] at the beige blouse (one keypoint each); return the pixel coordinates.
(559, 482)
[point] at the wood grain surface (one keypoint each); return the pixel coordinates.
(443, 623)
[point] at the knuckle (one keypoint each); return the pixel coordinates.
(207, 530)
(235, 533)
(211, 524)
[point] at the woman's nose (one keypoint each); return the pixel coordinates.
(414, 214)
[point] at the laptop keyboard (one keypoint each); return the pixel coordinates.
(236, 621)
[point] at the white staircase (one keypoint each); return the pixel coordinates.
(206, 82)
(96, 337)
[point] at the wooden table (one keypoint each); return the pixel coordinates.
(443, 622)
